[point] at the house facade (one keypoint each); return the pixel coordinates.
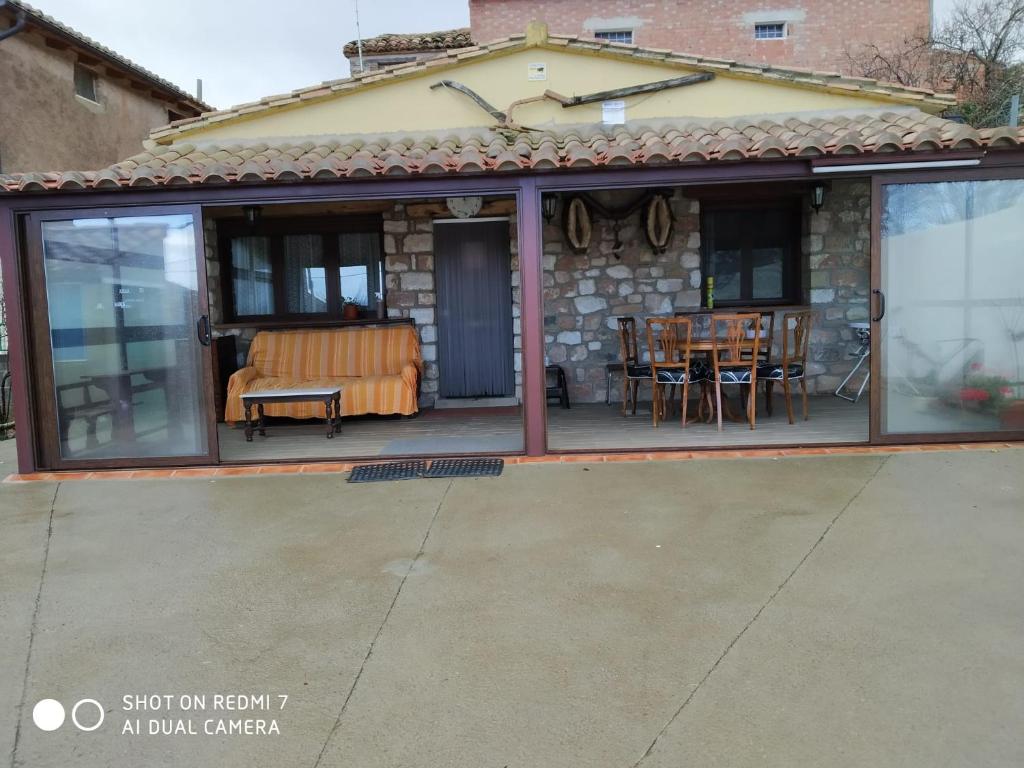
(815, 34)
(69, 102)
(551, 191)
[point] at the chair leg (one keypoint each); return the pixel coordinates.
(752, 404)
(718, 403)
(685, 402)
(789, 398)
(636, 393)
(803, 391)
(655, 401)
(625, 392)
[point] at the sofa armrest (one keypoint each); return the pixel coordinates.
(411, 376)
(238, 380)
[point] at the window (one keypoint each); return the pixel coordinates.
(85, 83)
(753, 253)
(616, 35)
(775, 30)
(295, 269)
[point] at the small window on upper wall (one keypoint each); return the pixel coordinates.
(616, 35)
(774, 30)
(85, 83)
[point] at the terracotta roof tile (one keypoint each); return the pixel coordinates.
(572, 147)
(453, 55)
(414, 42)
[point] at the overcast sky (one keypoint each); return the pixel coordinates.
(246, 49)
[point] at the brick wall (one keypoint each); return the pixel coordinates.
(819, 31)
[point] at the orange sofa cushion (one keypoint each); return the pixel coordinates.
(378, 369)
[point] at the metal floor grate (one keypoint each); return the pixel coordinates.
(394, 470)
(465, 468)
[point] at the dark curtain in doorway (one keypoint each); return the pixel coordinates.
(474, 304)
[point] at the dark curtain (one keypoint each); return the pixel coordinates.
(474, 304)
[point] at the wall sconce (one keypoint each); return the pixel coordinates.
(548, 207)
(253, 214)
(818, 197)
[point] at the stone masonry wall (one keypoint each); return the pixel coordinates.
(585, 293)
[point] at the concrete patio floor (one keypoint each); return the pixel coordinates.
(825, 611)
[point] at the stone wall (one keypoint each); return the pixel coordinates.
(585, 293)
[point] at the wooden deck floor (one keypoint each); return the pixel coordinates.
(499, 430)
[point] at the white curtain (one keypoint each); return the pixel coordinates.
(252, 276)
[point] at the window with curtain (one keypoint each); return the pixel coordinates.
(753, 253)
(291, 269)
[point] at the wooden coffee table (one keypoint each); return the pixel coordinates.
(329, 396)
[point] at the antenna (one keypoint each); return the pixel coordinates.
(199, 89)
(359, 36)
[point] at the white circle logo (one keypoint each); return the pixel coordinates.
(74, 715)
(48, 715)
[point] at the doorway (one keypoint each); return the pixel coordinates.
(474, 307)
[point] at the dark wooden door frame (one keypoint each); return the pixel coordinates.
(44, 413)
(878, 182)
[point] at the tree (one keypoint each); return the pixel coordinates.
(976, 53)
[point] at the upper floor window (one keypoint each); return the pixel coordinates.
(85, 83)
(616, 35)
(774, 30)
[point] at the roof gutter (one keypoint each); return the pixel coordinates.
(19, 23)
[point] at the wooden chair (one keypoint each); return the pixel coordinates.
(767, 326)
(794, 362)
(734, 357)
(669, 342)
(633, 371)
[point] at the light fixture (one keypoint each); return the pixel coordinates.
(818, 197)
(253, 214)
(548, 207)
(910, 165)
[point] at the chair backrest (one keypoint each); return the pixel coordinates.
(700, 320)
(668, 341)
(796, 325)
(767, 326)
(735, 340)
(328, 352)
(628, 347)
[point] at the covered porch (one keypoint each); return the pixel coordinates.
(805, 230)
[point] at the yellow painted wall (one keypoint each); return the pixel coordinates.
(410, 105)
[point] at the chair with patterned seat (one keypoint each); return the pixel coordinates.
(735, 357)
(669, 341)
(633, 371)
(796, 335)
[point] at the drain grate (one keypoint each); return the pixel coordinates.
(395, 470)
(465, 468)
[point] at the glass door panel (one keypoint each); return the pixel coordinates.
(126, 327)
(952, 330)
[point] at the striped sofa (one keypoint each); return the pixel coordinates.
(379, 368)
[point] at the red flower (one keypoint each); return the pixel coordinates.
(975, 366)
(974, 395)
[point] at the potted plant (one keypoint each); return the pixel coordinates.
(349, 309)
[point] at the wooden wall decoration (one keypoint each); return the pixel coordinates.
(578, 227)
(658, 223)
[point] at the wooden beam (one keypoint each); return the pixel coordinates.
(635, 90)
(440, 209)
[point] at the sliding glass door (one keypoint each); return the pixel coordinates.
(121, 333)
(949, 310)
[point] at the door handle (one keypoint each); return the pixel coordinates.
(203, 330)
(881, 305)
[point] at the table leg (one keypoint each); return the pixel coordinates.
(248, 421)
(337, 414)
(328, 406)
(263, 421)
